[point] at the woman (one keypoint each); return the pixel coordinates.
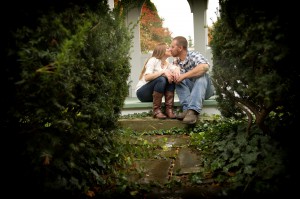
(156, 81)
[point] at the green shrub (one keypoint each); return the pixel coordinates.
(66, 69)
(243, 165)
(251, 42)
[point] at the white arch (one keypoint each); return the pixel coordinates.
(198, 8)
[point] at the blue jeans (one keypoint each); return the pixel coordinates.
(193, 91)
(160, 84)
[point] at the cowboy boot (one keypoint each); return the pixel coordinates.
(157, 99)
(169, 103)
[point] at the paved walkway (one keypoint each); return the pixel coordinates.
(174, 161)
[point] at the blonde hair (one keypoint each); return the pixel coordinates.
(158, 52)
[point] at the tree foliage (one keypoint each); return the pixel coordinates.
(252, 53)
(152, 31)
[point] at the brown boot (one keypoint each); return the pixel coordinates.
(157, 98)
(169, 103)
(191, 117)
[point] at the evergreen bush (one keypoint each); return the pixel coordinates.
(253, 71)
(66, 70)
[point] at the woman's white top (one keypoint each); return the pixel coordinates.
(153, 65)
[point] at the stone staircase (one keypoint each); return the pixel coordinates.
(133, 105)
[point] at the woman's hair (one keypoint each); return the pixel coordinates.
(181, 41)
(158, 52)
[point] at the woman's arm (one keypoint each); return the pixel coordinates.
(151, 71)
(152, 76)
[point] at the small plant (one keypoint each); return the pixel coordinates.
(136, 115)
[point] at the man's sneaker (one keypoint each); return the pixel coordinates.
(191, 117)
(181, 115)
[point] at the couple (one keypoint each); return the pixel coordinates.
(187, 74)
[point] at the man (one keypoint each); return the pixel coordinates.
(193, 83)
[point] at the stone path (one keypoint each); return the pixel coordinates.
(174, 161)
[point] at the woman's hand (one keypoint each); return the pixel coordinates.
(169, 75)
(176, 75)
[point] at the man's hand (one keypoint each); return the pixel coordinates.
(198, 71)
(179, 78)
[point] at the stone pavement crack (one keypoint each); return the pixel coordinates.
(172, 164)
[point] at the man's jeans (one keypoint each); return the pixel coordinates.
(193, 91)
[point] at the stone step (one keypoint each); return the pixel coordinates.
(151, 124)
(133, 105)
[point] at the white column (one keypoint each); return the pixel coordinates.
(198, 8)
(136, 63)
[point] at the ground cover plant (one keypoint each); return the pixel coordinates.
(242, 166)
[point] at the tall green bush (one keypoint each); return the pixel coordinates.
(66, 69)
(254, 72)
(253, 58)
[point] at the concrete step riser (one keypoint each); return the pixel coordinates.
(150, 124)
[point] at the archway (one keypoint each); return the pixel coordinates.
(197, 7)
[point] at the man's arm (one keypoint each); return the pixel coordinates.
(198, 71)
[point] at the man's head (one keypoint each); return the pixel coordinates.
(178, 46)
